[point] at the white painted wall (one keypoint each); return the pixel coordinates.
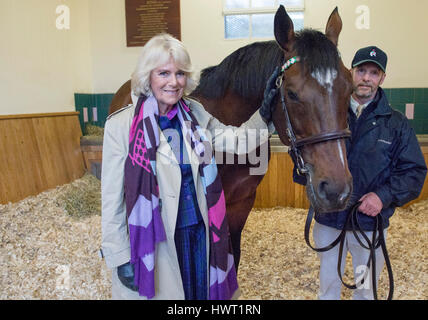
(41, 67)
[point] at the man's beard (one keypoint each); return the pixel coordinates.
(364, 93)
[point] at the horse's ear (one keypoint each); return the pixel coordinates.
(334, 26)
(283, 29)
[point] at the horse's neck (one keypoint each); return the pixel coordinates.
(231, 109)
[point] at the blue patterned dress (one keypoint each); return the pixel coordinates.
(190, 236)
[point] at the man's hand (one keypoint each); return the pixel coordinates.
(371, 204)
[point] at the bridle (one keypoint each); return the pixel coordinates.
(378, 240)
(297, 144)
(352, 218)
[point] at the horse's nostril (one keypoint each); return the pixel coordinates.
(332, 192)
(345, 194)
(322, 189)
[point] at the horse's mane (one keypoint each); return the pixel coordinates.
(246, 70)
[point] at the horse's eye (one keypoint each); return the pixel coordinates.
(292, 95)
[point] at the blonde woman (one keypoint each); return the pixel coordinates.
(164, 228)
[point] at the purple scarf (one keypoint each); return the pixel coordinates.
(142, 201)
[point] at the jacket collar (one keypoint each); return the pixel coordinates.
(380, 105)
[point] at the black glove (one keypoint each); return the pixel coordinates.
(125, 272)
(268, 96)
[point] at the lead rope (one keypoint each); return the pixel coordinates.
(352, 220)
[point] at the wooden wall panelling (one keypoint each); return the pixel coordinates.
(5, 163)
(69, 152)
(277, 187)
(26, 156)
(38, 152)
(424, 192)
(47, 145)
(12, 161)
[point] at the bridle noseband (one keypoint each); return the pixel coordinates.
(296, 144)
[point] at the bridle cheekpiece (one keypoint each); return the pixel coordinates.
(296, 144)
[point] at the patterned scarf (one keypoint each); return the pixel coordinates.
(142, 201)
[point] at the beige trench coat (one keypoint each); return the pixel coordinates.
(115, 238)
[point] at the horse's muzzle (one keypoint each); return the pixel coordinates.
(328, 195)
(333, 194)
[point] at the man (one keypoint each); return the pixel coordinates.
(387, 167)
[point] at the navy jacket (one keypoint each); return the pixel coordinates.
(384, 157)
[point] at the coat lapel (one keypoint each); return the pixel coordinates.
(165, 150)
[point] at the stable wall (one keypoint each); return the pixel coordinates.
(396, 26)
(43, 151)
(392, 27)
(42, 67)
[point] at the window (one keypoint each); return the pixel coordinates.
(254, 18)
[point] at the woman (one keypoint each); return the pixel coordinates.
(164, 229)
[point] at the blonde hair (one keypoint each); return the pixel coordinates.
(157, 52)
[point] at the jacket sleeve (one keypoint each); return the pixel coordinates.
(408, 172)
(239, 140)
(115, 239)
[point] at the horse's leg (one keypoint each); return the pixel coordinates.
(237, 214)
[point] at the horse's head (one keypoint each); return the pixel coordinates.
(316, 89)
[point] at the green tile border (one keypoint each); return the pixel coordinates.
(421, 111)
(101, 101)
(397, 97)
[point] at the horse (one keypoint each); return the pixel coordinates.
(315, 96)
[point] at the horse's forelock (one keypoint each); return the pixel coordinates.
(316, 51)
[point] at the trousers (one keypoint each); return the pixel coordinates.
(330, 283)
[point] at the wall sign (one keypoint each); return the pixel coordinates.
(146, 18)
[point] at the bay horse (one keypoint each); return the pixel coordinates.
(316, 92)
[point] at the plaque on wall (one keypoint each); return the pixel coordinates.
(147, 18)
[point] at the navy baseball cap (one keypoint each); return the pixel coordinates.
(370, 54)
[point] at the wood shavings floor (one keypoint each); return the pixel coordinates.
(46, 254)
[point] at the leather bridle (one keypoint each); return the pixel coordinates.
(352, 224)
(352, 218)
(297, 144)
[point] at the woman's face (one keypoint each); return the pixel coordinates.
(167, 83)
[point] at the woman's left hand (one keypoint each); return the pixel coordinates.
(125, 273)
